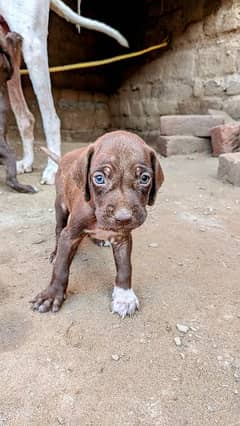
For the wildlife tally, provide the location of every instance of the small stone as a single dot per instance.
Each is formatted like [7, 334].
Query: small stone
[115, 357]
[60, 420]
[237, 376]
[153, 245]
[182, 328]
[182, 355]
[202, 229]
[39, 241]
[236, 392]
[50, 210]
[177, 341]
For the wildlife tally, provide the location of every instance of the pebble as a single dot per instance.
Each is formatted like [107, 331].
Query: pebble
[115, 357]
[237, 376]
[202, 229]
[177, 341]
[50, 210]
[182, 328]
[153, 245]
[39, 241]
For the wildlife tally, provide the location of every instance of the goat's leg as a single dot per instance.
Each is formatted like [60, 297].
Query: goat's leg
[36, 59]
[25, 122]
[24, 117]
[8, 158]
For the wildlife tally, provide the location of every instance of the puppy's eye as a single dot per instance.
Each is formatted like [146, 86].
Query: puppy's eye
[99, 179]
[144, 179]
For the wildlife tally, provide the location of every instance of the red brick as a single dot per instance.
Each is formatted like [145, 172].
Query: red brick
[223, 138]
[195, 125]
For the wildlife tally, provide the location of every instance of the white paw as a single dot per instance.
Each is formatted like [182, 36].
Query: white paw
[124, 302]
[24, 166]
[48, 176]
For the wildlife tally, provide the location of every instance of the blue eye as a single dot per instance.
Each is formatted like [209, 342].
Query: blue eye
[145, 178]
[99, 179]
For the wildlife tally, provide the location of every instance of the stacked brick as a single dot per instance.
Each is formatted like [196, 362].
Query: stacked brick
[186, 134]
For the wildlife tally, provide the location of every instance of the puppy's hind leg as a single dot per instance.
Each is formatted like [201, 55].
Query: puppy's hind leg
[61, 214]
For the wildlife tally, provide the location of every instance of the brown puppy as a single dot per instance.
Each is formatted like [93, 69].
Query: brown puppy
[102, 190]
[10, 46]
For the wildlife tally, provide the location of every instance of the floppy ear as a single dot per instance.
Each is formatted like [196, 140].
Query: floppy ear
[158, 177]
[81, 172]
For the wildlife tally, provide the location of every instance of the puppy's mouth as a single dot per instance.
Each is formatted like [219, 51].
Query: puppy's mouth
[121, 221]
[120, 228]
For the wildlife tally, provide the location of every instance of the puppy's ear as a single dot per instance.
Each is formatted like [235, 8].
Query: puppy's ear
[158, 177]
[81, 172]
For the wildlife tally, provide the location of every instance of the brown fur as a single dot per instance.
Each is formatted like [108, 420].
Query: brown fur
[105, 211]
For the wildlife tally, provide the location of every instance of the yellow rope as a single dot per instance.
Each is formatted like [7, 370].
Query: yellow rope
[105, 61]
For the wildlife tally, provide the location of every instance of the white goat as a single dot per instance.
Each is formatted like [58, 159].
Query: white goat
[30, 18]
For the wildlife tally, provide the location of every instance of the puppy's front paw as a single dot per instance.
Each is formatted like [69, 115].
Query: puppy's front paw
[51, 299]
[124, 302]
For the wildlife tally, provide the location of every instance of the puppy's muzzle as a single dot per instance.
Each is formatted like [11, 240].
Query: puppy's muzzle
[123, 216]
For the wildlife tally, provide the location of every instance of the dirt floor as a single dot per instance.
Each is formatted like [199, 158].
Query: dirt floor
[85, 366]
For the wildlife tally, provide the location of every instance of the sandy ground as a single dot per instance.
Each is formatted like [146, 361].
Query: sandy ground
[85, 366]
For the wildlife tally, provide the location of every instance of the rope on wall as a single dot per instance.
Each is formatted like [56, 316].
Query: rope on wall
[107, 61]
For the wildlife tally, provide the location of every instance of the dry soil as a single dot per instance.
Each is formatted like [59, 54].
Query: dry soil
[85, 366]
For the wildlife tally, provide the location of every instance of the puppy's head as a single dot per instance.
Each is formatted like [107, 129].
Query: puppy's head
[121, 175]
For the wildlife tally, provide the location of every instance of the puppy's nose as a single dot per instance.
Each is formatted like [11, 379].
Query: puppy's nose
[123, 216]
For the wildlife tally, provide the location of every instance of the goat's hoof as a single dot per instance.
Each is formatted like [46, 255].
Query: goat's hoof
[23, 167]
[48, 176]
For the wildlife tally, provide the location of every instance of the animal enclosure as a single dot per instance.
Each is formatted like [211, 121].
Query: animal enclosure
[198, 71]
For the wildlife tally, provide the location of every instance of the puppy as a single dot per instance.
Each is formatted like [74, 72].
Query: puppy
[102, 191]
[9, 46]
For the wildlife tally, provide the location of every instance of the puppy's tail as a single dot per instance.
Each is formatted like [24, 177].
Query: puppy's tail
[51, 154]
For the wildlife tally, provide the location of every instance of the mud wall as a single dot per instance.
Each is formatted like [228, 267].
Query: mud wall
[199, 70]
